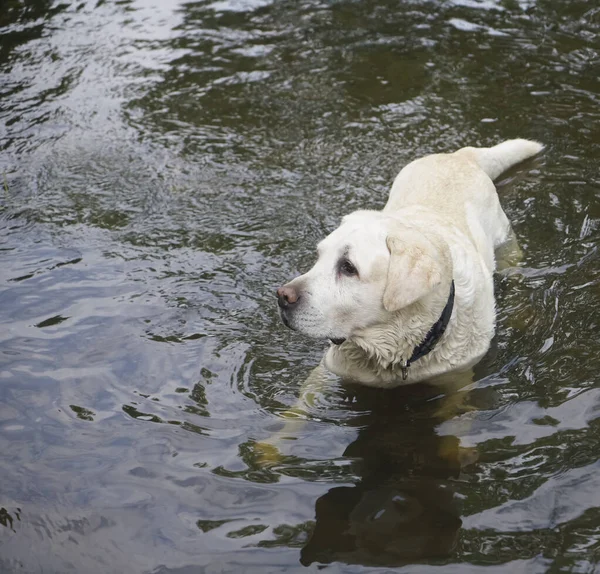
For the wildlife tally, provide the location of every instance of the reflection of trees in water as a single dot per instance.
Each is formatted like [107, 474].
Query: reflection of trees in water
[284, 70]
[30, 16]
[7, 520]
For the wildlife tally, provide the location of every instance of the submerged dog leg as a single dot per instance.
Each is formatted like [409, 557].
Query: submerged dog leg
[268, 453]
[509, 254]
[454, 415]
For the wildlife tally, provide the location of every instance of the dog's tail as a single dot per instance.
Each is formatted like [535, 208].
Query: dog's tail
[496, 160]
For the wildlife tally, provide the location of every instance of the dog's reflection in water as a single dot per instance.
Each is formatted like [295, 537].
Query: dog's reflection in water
[404, 508]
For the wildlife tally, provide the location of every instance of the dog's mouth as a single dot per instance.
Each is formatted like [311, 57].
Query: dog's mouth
[286, 320]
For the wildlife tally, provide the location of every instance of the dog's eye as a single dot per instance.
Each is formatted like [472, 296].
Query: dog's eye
[346, 268]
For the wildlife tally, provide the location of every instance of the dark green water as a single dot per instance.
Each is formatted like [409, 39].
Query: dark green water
[165, 165]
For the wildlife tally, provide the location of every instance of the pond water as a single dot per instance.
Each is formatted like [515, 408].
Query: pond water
[165, 166]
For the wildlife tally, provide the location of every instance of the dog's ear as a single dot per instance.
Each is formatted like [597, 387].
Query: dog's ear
[415, 269]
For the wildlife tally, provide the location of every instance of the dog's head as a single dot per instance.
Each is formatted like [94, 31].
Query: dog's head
[369, 268]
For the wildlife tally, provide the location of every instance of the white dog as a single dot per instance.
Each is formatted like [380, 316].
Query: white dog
[406, 293]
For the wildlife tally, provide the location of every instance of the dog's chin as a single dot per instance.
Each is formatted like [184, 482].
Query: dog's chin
[286, 320]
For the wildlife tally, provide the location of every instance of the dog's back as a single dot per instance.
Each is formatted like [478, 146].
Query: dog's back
[459, 187]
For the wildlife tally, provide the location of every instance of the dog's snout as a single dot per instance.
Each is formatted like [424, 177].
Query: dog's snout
[287, 297]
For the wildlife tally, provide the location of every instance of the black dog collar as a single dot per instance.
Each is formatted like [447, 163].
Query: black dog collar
[433, 335]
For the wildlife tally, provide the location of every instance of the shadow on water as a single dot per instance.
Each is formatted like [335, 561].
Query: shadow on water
[403, 507]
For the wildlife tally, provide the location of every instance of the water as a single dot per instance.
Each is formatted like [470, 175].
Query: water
[166, 165]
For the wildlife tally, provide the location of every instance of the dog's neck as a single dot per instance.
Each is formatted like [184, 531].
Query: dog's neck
[410, 336]
[435, 333]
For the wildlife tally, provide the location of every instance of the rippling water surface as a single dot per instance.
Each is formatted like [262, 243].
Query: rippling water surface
[164, 166]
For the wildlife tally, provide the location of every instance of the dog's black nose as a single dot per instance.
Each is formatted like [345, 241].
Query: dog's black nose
[287, 297]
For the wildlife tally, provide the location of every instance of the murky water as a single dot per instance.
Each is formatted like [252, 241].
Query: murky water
[165, 165]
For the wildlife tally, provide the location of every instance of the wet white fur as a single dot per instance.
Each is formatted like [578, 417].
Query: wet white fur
[442, 221]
